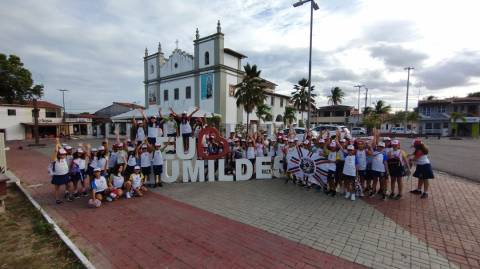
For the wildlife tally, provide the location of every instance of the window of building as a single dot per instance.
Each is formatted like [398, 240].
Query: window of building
[175, 94]
[50, 113]
[175, 65]
[281, 102]
[122, 128]
[428, 110]
[443, 109]
[272, 101]
[151, 69]
[165, 95]
[428, 125]
[339, 113]
[188, 92]
[455, 108]
[436, 125]
[445, 125]
[12, 112]
[207, 58]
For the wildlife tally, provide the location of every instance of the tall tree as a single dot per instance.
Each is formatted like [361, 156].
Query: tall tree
[249, 93]
[367, 110]
[300, 96]
[454, 118]
[336, 96]
[431, 97]
[474, 94]
[289, 115]
[16, 83]
[381, 108]
[264, 112]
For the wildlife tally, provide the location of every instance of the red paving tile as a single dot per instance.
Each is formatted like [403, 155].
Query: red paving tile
[447, 221]
[156, 231]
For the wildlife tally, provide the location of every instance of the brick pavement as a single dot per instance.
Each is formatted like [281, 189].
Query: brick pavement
[158, 232]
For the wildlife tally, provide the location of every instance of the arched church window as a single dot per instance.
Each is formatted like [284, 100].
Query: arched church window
[207, 58]
[151, 69]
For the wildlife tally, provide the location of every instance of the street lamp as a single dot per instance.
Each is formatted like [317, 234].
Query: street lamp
[358, 112]
[313, 6]
[63, 98]
[406, 99]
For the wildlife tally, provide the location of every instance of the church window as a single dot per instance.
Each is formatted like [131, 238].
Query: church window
[175, 65]
[207, 58]
[151, 69]
[281, 102]
[165, 95]
[188, 92]
[176, 94]
[272, 101]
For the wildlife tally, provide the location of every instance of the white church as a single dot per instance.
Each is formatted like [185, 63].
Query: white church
[206, 80]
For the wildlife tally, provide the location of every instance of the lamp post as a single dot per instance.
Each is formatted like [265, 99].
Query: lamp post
[406, 99]
[63, 99]
[313, 6]
[358, 115]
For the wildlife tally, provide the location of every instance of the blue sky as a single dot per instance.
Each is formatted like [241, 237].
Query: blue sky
[95, 48]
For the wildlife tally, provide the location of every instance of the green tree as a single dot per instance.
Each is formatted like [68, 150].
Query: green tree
[249, 93]
[367, 110]
[474, 94]
[454, 118]
[431, 97]
[289, 115]
[16, 83]
[336, 96]
[264, 112]
[300, 96]
[381, 108]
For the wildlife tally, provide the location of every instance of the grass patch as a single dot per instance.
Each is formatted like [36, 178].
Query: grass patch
[28, 241]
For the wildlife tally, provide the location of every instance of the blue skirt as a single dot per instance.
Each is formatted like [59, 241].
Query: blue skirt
[423, 171]
[60, 179]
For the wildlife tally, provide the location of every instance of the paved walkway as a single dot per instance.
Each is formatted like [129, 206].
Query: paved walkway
[266, 224]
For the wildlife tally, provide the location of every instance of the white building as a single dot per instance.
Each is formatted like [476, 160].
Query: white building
[205, 79]
[16, 120]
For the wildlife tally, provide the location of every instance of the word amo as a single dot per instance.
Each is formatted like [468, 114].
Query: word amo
[193, 170]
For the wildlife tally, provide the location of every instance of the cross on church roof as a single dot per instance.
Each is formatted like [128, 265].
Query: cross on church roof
[176, 44]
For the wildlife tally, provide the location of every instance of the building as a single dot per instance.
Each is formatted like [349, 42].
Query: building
[435, 116]
[204, 79]
[334, 114]
[80, 124]
[102, 124]
[16, 120]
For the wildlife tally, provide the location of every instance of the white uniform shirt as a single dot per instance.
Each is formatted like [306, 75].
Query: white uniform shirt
[279, 151]
[157, 157]
[423, 160]
[349, 167]
[101, 162]
[169, 126]
[185, 128]
[250, 152]
[132, 161]
[140, 134]
[259, 149]
[112, 159]
[94, 162]
[99, 184]
[80, 163]
[61, 167]
[332, 156]
[117, 181]
[377, 161]
[361, 159]
[136, 180]
[152, 131]
[145, 159]
[120, 156]
[291, 152]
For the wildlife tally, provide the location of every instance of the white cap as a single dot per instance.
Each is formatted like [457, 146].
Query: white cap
[144, 146]
[387, 139]
[97, 169]
[306, 142]
[120, 145]
[321, 140]
[67, 147]
[80, 150]
[136, 167]
[350, 147]
[342, 140]
[131, 148]
[157, 144]
[101, 148]
[62, 151]
[94, 149]
[184, 112]
[139, 121]
[290, 140]
[395, 142]
[381, 144]
[273, 139]
[333, 144]
[295, 139]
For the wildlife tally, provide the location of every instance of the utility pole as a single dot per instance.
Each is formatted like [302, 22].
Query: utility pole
[63, 98]
[366, 97]
[406, 99]
[358, 115]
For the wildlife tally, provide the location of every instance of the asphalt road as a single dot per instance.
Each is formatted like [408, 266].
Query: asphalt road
[457, 157]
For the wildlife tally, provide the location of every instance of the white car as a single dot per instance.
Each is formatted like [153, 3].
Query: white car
[359, 131]
[401, 130]
[300, 132]
[332, 129]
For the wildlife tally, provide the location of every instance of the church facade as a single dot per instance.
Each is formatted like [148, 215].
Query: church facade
[205, 79]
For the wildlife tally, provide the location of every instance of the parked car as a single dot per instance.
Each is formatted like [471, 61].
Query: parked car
[300, 132]
[401, 130]
[359, 131]
[332, 129]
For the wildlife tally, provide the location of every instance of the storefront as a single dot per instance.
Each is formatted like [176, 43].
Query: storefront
[45, 130]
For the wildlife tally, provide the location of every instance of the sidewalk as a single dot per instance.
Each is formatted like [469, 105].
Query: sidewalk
[159, 232]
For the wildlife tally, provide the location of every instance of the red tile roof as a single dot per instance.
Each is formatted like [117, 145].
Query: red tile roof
[40, 104]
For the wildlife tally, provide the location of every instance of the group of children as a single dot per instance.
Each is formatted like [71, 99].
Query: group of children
[355, 167]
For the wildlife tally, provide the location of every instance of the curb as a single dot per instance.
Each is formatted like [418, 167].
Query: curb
[76, 251]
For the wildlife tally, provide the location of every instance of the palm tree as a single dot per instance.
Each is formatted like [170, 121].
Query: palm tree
[336, 96]
[454, 118]
[431, 97]
[300, 96]
[367, 110]
[264, 112]
[289, 115]
[381, 108]
[249, 93]
[474, 94]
